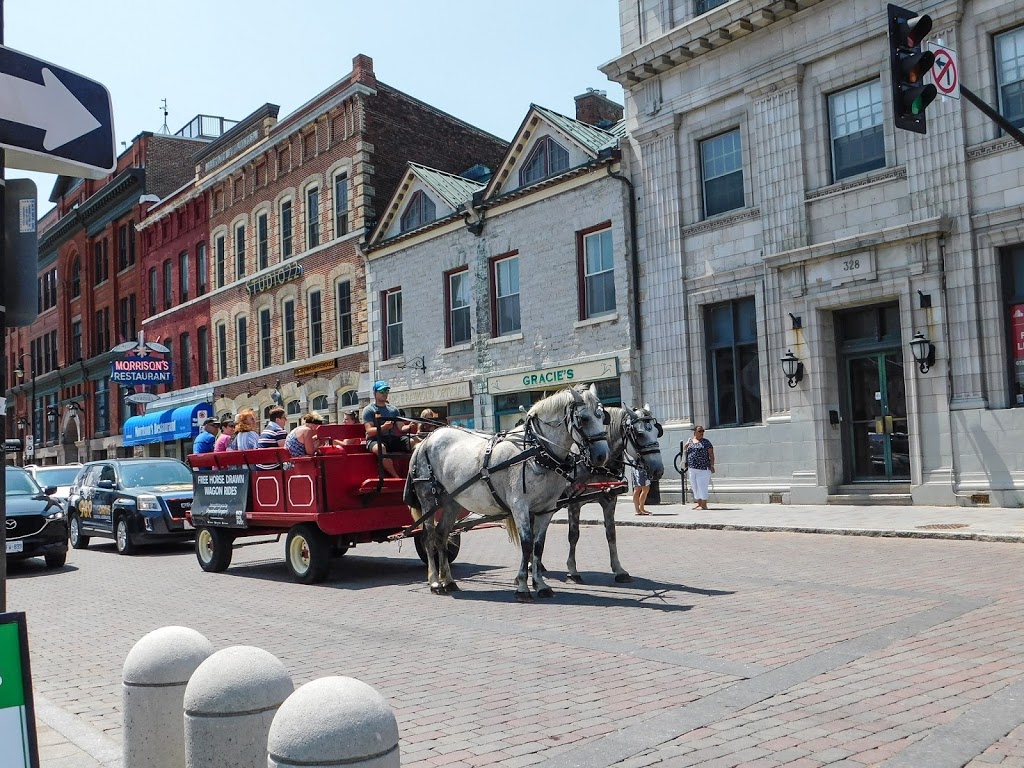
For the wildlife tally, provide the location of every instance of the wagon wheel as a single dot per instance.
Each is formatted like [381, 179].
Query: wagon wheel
[308, 553]
[214, 549]
[454, 545]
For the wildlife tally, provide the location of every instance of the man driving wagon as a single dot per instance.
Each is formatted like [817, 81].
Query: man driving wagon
[385, 427]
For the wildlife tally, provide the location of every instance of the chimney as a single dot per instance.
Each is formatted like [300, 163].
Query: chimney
[595, 108]
[362, 69]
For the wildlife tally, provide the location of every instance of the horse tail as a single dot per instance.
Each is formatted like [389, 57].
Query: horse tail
[511, 529]
[409, 494]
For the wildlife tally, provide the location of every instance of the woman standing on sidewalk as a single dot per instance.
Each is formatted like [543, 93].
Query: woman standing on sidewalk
[700, 460]
[641, 487]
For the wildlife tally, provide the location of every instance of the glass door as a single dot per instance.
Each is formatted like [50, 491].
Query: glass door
[878, 439]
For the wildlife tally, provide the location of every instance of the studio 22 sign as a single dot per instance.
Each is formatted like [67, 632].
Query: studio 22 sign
[136, 369]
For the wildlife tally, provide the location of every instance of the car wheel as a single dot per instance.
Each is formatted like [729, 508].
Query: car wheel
[125, 545]
[56, 560]
[213, 549]
[454, 545]
[307, 552]
[78, 541]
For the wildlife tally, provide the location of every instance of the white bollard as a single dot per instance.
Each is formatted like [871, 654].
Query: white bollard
[334, 722]
[229, 705]
[153, 682]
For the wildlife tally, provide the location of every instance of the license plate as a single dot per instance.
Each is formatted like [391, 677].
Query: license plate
[15, 546]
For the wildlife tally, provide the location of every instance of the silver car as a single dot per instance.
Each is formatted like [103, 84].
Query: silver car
[60, 476]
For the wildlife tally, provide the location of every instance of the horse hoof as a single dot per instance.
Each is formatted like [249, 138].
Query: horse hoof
[623, 578]
[524, 597]
[575, 578]
[453, 587]
[437, 589]
[546, 592]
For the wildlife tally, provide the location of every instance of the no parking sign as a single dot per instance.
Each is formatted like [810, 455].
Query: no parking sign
[945, 71]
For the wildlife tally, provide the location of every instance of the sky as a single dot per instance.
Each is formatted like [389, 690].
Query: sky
[483, 61]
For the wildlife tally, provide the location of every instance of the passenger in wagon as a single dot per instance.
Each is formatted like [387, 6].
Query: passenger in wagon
[247, 436]
[302, 441]
[383, 427]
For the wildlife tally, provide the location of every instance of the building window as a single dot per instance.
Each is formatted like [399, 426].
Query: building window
[722, 172]
[154, 289]
[242, 341]
[734, 376]
[183, 276]
[123, 319]
[203, 341]
[102, 331]
[855, 120]
[319, 404]
[1010, 75]
[703, 6]
[202, 267]
[349, 398]
[100, 266]
[262, 244]
[131, 242]
[596, 266]
[266, 354]
[286, 229]
[419, 211]
[456, 299]
[219, 259]
[288, 310]
[133, 314]
[76, 278]
[76, 340]
[168, 286]
[391, 302]
[312, 217]
[185, 362]
[505, 289]
[341, 204]
[1013, 290]
[240, 251]
[316, 323]
[101, 403]
[222, 350]
[344, 314]
[292, 411]
[547, 158]
[122, 248]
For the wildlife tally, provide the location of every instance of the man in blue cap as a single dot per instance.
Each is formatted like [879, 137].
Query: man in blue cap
[384, 428]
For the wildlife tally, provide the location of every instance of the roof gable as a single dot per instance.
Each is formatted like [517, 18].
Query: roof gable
[447, 190]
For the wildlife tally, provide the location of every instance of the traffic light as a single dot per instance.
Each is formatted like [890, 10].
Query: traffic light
[908, 65]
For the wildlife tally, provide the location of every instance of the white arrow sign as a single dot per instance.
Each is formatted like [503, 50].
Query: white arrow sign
[50, 106]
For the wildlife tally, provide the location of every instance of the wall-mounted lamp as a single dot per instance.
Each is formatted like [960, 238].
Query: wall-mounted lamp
[798, 322]
[22, 424]
[419, 363]
[925, 299]
[924, 352]
[73, 407]
[792, 367]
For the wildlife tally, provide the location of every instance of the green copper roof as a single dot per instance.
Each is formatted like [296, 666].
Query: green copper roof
[454, 190]
[589, 136]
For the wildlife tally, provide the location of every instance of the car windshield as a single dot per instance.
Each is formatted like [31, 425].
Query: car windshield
[146, 473]
[20, 483]
[56, 476]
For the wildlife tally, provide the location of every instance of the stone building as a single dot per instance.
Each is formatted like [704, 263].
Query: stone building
[289, 203]
[90, 290]
[782, 212]
[489, 290]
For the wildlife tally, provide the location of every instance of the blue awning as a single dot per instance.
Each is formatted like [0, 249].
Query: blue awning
[181, 423]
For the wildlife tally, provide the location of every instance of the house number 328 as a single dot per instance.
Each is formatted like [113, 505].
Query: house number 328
[851, 265]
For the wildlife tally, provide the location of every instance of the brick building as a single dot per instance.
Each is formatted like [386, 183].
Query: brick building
[488, 291]
[782, 212]
[289, 203]
[91, 290]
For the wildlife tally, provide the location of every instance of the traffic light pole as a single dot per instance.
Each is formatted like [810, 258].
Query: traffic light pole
[992, 114]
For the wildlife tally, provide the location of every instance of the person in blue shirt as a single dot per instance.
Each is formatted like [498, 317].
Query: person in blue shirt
[384, 427]
[206, 440]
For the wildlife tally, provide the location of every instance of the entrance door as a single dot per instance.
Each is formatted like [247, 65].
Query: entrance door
[878, 440]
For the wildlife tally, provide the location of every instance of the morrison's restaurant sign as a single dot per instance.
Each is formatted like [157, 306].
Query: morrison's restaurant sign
[135, 369]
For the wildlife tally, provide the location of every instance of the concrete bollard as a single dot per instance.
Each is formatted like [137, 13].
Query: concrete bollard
[333, 722]
[229, 705]
[153, 682]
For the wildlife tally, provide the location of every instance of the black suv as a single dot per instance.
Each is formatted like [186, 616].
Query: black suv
[132, 501]
[36, 524]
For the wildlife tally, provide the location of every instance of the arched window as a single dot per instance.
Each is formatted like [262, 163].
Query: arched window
[76, 278]
[420, 211]
[546, 159]
[349, 398]
[294, 411]
[319, 404]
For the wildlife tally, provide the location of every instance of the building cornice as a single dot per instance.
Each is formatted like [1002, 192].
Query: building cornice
[93, 208]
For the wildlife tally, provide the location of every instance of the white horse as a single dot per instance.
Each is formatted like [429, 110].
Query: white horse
[632, 439]
[518, 475]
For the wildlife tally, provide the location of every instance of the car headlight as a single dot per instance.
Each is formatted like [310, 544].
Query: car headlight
[148, 503]
[57, 514]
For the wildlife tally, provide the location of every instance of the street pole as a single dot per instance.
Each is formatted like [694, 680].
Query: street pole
[3, 365]
[990, 113]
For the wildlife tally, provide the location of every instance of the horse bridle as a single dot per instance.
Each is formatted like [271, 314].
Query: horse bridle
[573, 422]
[632, 437]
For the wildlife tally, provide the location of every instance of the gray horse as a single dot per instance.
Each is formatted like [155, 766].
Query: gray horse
[632, 435]
[518, 475]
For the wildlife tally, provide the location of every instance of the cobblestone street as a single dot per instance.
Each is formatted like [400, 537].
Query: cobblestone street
[729, 648]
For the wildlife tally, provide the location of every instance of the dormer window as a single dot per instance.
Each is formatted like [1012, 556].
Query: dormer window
[546, 159]
[420, 211]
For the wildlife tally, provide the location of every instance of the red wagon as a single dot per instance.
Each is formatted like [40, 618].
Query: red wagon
[324, 504]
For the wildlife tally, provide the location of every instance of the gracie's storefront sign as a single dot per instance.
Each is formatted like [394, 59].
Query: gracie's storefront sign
[548, 378]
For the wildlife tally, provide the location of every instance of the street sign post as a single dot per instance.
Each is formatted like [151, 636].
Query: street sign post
[53, 120]
[945, 71]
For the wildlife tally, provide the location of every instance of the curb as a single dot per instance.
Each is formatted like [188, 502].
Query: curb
[83, 736]
[877, 533]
